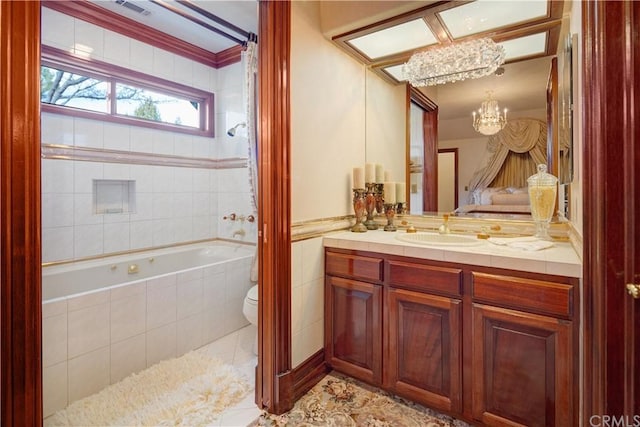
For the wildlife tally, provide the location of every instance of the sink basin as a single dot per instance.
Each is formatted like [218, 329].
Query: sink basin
[438, 239]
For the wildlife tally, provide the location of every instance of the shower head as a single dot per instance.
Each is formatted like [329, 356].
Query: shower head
[232, 131]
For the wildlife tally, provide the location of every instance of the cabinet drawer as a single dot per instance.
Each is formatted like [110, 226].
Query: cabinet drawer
[442, 280]
[355, 266]
[539, 296]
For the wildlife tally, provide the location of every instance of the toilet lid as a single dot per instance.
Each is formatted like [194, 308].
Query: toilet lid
[253, 293]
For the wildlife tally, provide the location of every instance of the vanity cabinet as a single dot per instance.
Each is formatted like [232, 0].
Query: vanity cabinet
[490, 346]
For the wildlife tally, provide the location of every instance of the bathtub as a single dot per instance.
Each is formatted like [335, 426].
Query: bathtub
[105, 319]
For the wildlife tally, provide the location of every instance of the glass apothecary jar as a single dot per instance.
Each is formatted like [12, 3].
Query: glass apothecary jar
[543, 188]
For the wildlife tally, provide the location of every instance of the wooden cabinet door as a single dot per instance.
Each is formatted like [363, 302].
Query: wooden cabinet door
[353, 328]
[522, 368]
[423, 351]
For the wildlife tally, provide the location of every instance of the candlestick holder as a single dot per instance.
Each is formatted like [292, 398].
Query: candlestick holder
[370, 203]
[379, 198]
[400, 209]
[390, 212]
[359, 208]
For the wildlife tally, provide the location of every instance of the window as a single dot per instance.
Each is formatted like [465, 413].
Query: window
[82, 87]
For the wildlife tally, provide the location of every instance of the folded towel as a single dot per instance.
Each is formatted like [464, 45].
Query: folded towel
[529, 243]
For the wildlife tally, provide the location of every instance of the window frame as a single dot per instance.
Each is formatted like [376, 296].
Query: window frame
[112, 74]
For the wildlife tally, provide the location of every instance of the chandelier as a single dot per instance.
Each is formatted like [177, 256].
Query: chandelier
[488, 119]
[467, 60]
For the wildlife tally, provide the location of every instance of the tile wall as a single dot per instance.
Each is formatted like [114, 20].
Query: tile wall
[172, 204]
[96, 339]
[307, 299]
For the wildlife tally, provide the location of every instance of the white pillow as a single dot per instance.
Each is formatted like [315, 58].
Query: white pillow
[485, 196]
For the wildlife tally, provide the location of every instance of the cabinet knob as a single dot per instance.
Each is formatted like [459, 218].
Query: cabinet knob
[634, 290]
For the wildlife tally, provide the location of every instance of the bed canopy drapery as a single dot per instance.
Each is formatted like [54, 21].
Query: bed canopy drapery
[514, 153]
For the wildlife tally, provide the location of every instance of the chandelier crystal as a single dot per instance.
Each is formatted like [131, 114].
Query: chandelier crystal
[488, 120]
[467, 60]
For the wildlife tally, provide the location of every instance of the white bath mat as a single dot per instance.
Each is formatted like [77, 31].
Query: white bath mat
[192, 390]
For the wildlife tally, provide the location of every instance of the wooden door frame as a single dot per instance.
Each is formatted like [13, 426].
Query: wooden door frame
[274, 383]
[610, 161]
[21, 293]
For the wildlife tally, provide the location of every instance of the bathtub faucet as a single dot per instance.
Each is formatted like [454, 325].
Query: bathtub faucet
[239, 232]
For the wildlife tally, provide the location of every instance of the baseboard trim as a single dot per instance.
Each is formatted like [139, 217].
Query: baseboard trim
[293, 384]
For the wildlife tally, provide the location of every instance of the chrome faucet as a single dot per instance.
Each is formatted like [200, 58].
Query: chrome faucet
[444, 228]
[239, 232]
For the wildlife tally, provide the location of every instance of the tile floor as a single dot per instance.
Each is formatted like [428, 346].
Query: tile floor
[237, 349]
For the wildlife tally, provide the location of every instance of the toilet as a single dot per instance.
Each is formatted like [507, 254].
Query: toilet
[250, 311]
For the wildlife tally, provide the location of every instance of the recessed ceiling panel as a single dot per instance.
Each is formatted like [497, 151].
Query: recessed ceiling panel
[396, 72]
[534, 44]
[399, 38]
[484, 15]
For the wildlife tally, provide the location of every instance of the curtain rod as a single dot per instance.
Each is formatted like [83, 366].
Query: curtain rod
[214, 18]
[204, 24]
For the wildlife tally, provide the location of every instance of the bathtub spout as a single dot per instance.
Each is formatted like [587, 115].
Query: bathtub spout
[239, 232]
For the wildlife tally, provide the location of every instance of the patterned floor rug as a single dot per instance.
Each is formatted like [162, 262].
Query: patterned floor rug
[191, 390]
[341, 401]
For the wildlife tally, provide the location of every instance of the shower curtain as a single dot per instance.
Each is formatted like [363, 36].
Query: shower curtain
[250, 69]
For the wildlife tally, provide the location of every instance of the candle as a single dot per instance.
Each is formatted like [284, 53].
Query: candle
[387, 176]
[358, 178]
[401, 192]
[379, 173]
[369, 172]
[390, 192]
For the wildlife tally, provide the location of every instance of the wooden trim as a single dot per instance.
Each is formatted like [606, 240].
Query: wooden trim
[229, 56]
[21, 294]
[610, 144]
[430, 162]
[94, 14]
[274, 209]
[307, 374]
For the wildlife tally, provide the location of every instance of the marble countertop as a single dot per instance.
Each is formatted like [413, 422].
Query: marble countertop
[560, 259]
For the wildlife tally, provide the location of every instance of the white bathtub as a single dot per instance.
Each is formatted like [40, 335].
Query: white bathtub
[101, 323]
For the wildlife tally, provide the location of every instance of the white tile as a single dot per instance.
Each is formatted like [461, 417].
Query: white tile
[89, 39]
[141, 56]
[183, 180]
[296, 310]
[57, 244]
[163, 64]
[88, 133]
[163, 232]
[183, 229]
[88, 329]
[182, 204]
[116, 48]
[88, 300]
[201, 204]
[119, 171]
[83, 211]
[213, 323]
[183, 145]
[128, 317]
[201, 227]
[296, 264]
[84, 174]
[238, 281]
[202, 146]
[161, 282]
[189, 275]
[88, 240]
[312, 302]
[54, 339]
[144, 207]
[54, 385]
[57, 210]
[57, 176]
[141, 140]
[57, 29]
[116, 237]
[162, 205]
[467, 258]
[201, 180]
[519, 264]
[163, 179]
[56, 129]
[189, 298]
[234, 318]
[312, 341]
[161, 343]
[88, 373]
[564, 269]
[161, 305]
[239, 417]
[189, 334]
[183, 70]
[202, 76]
[141, 234]
[312, 260]
[163, 142]
[54, 308]
[127, 357]
[128, 291]
[426, 253]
